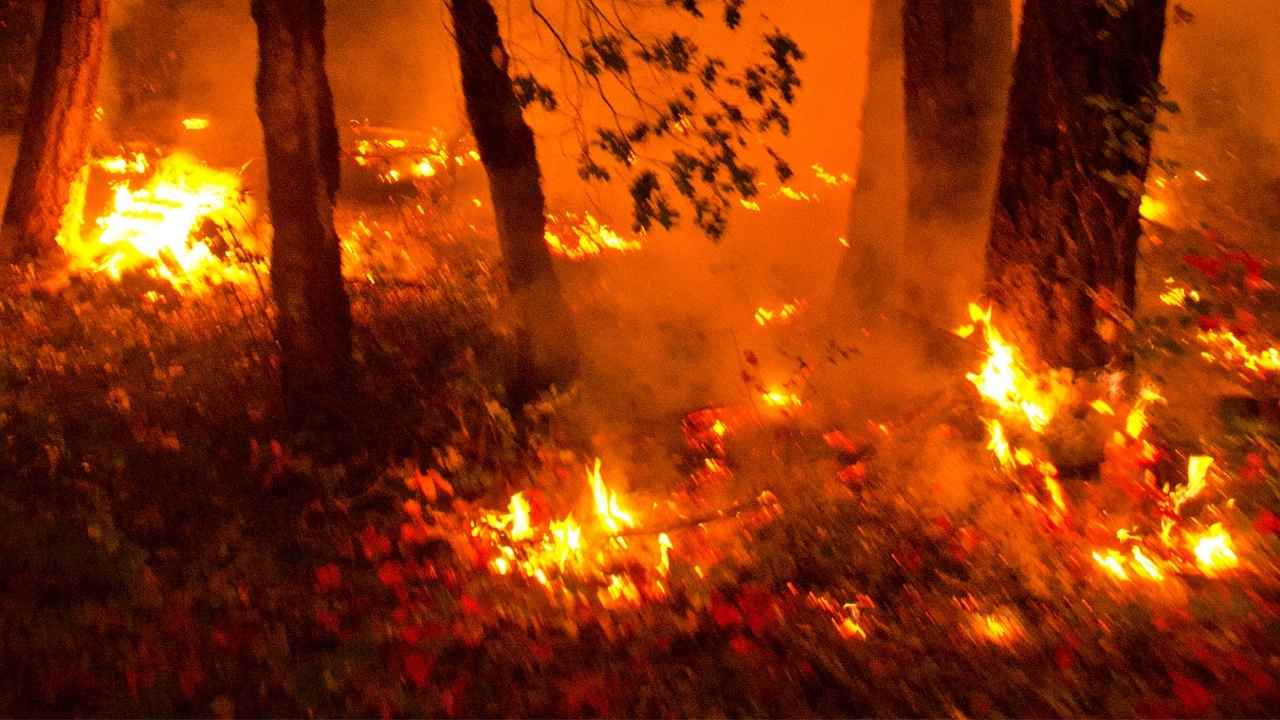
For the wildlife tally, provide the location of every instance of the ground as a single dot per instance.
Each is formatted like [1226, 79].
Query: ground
[169, 550]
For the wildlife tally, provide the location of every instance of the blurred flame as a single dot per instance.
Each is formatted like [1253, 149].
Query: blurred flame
[156, 225]
[590, 237]
[1213, 550]
[1005, 381]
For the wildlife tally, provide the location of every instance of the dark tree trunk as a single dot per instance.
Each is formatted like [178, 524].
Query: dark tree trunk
[1063, 248]
[957, 60]
[295, 106]
[867, 278]
[20, 20]
[56, 134]
[546, 345]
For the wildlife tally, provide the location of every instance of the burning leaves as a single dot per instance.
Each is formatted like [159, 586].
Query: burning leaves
[546, 551]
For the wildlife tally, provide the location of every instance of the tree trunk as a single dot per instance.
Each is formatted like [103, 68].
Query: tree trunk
[867, 278]
[1063, 248]
[21, 22]
[295, 106]
[957, 60]
[546, 345]
[56, 134]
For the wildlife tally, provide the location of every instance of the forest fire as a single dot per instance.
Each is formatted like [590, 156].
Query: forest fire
[596, 550]
[172, 219]
[473, 359]
[588, 237]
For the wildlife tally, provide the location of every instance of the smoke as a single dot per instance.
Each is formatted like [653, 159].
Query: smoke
[669, 328]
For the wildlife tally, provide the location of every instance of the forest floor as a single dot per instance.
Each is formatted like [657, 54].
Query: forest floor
[169, 550]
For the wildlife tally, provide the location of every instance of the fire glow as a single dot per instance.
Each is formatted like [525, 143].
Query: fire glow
[158, 223]
[563, 547]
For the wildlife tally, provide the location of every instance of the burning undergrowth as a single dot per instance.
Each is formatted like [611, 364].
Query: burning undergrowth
[756, 552]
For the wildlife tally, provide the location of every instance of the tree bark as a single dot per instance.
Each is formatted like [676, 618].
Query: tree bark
[21, 22]
[56, 133]
[957, 60]
[868, 274]
[1061, 259]
[546, 344]
[295, 106]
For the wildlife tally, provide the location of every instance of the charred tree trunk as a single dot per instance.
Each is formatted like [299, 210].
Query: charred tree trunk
[867, 278]
[56, 133]
[957, 60]
[295, 106]
[546, 345]
[1063, 248]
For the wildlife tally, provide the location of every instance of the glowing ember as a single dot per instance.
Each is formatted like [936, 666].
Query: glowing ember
[195, 124]
[998, 628]
[157, 225]
[590, 237]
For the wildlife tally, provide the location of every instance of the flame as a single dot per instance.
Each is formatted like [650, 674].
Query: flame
[1225, 345]
[779, 398]
[1113, 562]
[1153, 209]
[764, 315]
[1005, 381]
[590, 237]
[608, 507]
[156, 225]
[1136, 421]
[545, 553]
[1145, 565]
[1213, 550]
[1197, 470]
[195, 124]
[999, 444]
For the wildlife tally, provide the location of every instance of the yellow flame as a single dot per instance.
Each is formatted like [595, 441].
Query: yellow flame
[1005, 381]
[765, 315]
[155, 224]
[1234, 351]
[780, 398]
[608, 508]
[1113, 562]
[196, 123]
[590, 237]
[1213, 550]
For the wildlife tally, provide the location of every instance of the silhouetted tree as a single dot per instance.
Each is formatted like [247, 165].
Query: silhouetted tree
[20, 20]
[546, 344]
[56, 133]
[868, 275]
[295, 106]
[957, 60]
[1063, 249]
[938, 74]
